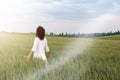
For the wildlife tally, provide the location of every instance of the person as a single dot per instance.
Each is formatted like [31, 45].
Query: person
[39, 46]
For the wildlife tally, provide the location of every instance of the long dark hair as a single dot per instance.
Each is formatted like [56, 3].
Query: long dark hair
[40, 32]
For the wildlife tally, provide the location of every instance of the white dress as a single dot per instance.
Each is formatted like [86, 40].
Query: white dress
[39, 47]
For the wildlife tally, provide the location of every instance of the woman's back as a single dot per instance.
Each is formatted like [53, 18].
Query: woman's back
[39, 47]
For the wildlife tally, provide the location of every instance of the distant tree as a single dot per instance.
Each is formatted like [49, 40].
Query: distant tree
[51, 34]
[78, 34]
[118, 32]
[62, 34]
[66, 34]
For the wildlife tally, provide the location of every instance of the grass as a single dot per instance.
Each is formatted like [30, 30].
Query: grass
[99, 62]
[112, 37]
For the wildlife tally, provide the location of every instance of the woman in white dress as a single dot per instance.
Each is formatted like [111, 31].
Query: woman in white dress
[40, 45]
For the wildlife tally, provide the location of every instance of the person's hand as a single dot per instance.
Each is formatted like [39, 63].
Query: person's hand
[29, 55]
[27, 58]
[49, 55]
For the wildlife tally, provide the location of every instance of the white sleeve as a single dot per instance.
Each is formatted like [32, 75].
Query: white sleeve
[35, 44]
[46, 46]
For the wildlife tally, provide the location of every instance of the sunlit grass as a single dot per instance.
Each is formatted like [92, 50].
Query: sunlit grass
[100, 61]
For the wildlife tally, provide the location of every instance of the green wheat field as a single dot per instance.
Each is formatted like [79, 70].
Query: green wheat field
[101, 61]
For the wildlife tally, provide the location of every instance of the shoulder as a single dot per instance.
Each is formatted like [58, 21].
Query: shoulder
[45, 39]
[36, 39]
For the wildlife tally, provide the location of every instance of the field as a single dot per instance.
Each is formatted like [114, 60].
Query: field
[98, 61]
[113, 37]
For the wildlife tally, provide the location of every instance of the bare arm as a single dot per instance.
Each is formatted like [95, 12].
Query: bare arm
[29, 55]
[33, 49]
[49, 54]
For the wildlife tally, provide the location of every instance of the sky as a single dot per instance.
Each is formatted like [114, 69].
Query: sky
[72, 16]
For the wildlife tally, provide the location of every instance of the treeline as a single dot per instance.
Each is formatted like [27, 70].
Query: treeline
[84, 34]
